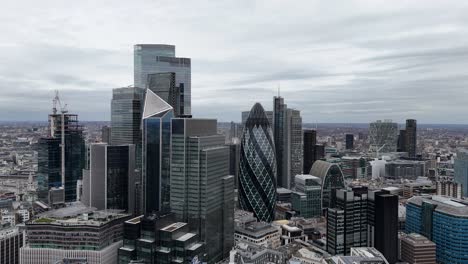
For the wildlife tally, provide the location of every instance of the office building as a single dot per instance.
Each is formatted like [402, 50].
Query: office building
[382, 219]
[310, 141]
[444, 221]
[73, 233]
[126, 109]
[287, 132]
[411, 138]
[109, 177]
[332, 180]
[449, 188]
[201, 193]
[157, 68]
[61, 156]
[347, 223]
[257, 174]
[106, 134]
[258, 233]
[353, 167]
[156, 163]
[461, 169]
[349, 138]
[11, 240]
[402, 141]
[234, 161]
[307, 199]
[383, 136]
[291, 233]
[405, 169]
[416, 249]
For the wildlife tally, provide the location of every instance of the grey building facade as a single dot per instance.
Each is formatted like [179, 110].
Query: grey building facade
[159, 58]
[109, 178]
[383, 136]
[126, 109]
[461, 169]
[201, 190]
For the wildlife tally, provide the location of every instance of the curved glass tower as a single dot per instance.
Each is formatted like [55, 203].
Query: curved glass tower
[257, 173]
[332, 180]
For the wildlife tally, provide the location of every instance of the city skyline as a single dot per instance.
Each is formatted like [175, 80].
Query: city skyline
[373, 61]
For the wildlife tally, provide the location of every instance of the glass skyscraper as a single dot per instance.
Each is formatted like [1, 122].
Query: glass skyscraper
[287, 131]
[257, 175]
[151, 59]
[156, 121]
[307, 200]
[126, 109]
[201, 192]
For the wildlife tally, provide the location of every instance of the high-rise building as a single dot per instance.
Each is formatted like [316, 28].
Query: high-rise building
[310, 141]
[349, 138]
[287, 131]
[174, 84]
[61, 156]
[200, 190]
[257, 174]
[444, 221]
[402, 141]
[109, 177]
[411, 138]
[416, 249]
[307, 200]
[11, 240]
[347, 223]
[461, 169]
[126, 109]
[73, 234]
[382, 218]
[106, 134]
[234, 161]
[383, 136]
[156, 164]
[332, 180]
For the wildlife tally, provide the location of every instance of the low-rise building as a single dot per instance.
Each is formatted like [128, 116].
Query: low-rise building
[258, 233]
[416, 248]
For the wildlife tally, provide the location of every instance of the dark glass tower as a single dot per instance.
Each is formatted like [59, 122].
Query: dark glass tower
[164, 85]
[126, 109]
[257, 175]
[411, 137]
[310, 140]
[402, 141]
[349, 141]
[156, 121]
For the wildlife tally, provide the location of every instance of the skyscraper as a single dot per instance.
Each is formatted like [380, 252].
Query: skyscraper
[106, 134]
[61, 155]
[126, 109]
[402, 141]
[158, 58]
[347, 223]
[411, 137]
[349, 141]
[200, 188]
[257, 175]
[461, 169]
[382, 220]
[287, 131]
[332, 180]
[164, 85]
[156, 120]
[109, 178]
[383, 136]
[310, 141]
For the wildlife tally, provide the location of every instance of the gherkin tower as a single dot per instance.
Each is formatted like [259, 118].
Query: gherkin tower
[257, 172]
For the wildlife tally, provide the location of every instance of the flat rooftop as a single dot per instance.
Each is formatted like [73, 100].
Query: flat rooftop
[444, 204]
[173, 227]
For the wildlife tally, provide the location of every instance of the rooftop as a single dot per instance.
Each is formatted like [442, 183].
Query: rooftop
[443, 204]
[173, 227]
[256, 229]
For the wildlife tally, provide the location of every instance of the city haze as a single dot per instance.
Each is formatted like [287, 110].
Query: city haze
[336, 61]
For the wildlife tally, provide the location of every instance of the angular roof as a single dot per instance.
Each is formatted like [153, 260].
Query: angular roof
[154, 105]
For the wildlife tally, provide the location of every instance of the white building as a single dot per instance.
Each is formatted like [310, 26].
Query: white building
[259, 234]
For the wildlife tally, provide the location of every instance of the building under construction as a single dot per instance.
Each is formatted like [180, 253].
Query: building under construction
[60, 157]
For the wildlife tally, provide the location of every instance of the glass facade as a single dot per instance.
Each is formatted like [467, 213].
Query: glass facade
[383, 136]
[257, 175]
[461, 169]
[332, 180]
[157, 117]
[126, 109]
[118, 171]
[48, 166]
[155, 58]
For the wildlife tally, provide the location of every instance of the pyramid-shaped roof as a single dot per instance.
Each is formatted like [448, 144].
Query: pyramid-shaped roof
[154, 105]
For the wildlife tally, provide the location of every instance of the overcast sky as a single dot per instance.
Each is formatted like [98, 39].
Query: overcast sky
[336, 61]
